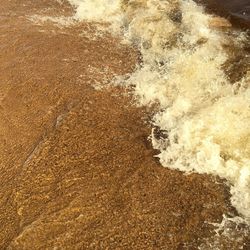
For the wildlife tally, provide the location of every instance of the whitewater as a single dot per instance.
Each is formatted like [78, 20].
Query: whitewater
[203, 117]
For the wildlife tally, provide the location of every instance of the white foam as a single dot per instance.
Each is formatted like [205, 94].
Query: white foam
[60, 21]
[97, 10]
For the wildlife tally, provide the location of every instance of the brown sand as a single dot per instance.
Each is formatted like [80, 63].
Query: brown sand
[76, 169]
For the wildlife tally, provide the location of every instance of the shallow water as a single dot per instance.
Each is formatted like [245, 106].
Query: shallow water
[203, 116]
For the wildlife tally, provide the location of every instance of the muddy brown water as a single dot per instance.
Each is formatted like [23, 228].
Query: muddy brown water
[76, 168]
[238, 11]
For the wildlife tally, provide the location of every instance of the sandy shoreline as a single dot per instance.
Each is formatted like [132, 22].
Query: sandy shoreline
[77, 171]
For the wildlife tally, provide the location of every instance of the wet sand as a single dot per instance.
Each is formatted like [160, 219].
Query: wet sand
[76, 168]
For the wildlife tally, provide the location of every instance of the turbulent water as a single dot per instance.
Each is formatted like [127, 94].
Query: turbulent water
[204, 119]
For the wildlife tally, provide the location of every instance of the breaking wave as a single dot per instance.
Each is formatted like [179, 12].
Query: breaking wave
[203, 116]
